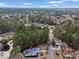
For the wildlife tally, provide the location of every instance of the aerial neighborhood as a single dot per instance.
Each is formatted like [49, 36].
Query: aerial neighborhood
[39, 33]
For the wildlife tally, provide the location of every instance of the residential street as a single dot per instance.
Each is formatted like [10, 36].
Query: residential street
[51, 53]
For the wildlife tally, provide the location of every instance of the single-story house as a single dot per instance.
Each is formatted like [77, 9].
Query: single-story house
[1, 38]
[31, 52]
[1, 46]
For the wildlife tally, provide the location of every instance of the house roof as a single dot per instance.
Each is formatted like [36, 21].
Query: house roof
[1, 38]
[1, 46]
[31, 52]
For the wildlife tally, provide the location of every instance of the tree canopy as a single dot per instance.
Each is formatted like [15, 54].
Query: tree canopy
[69, 33]
[27, 37]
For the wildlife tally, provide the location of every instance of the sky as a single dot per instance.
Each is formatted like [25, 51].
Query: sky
[39, 3]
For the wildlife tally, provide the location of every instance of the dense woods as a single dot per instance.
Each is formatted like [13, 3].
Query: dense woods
[28, 37]
[69, 33]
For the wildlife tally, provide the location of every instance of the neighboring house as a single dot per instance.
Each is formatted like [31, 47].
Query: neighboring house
[1, 46]
[69, 56]
[26, 25]
[1, 38]
[8, 35]
[6, 54]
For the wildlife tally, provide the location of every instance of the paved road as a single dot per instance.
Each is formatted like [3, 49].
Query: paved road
[50, 52]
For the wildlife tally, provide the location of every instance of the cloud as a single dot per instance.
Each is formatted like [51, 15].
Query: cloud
[55, 2]
[75, 0]
[71, 0]
[55, 5]
[2, 4]
[44, 6]
[27, 3]
[61, 1]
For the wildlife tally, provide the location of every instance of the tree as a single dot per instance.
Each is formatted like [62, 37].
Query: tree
[30, 37]
[69, 33]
